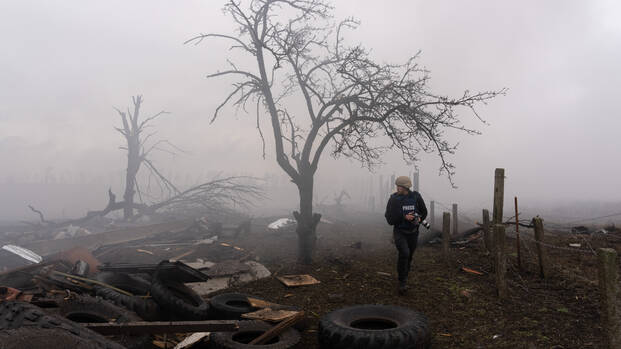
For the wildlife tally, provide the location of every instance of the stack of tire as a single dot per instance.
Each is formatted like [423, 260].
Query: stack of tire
[231, 306]
[170, 299]
[173, 300]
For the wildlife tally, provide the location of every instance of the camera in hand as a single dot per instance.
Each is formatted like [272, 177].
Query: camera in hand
[423, 222]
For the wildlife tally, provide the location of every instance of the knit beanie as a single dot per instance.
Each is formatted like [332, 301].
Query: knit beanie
[403, 181]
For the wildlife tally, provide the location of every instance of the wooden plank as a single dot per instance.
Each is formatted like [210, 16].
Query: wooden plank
[259, 303]
[278, 329]
[267, 314]
[143, 327]
[297, 280]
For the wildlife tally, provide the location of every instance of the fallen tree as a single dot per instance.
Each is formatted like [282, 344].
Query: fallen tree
[218, 195]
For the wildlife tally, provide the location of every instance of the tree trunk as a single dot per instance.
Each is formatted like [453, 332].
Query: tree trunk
[307, 221]
[133, 164]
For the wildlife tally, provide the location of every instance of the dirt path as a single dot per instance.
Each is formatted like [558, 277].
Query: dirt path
[463, 309]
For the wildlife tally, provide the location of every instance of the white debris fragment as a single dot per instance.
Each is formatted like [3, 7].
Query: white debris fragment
[191, 340]
[257, 271]
[281, 223]
[575, 245]
[209, 241]
[72, 231]
[24, 253]
[200, 264]
[61, 235]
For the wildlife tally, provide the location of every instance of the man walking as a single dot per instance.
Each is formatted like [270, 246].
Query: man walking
[404, 211]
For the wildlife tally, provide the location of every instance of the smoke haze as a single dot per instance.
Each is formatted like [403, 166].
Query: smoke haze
[66, 65]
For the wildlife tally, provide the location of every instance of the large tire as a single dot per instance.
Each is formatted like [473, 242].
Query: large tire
[131, 283]
[83, 309]
[14, 315]
[374, 327]
[147, 309]
[179, 300]
[48, 338]
[249, 330]
[230, 306]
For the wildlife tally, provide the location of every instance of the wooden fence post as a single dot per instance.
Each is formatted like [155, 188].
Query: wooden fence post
[517, 235]
[446, 235]
[608, 279]
[487, 236]
[455, 219]
[541, 250]
[499, 195]
[501, 260]
[432, 214]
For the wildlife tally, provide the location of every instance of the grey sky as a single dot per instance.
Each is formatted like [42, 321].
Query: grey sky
[65, 64]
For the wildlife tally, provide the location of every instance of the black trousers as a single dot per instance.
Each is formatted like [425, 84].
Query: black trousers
[406, 245]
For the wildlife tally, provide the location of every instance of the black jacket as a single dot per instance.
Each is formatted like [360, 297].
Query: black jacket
[400, 205]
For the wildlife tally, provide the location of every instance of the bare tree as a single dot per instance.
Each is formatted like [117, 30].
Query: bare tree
[215, 196]
[138, 151]
[350, 99]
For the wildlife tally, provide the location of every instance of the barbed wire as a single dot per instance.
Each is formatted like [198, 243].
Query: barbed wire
[563, 248]
[566, 227]
[594, 218]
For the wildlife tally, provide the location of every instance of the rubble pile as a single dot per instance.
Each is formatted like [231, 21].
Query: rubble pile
[137, 289]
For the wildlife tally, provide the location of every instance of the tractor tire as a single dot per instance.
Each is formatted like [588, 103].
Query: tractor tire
[249, 330]
[48, 338]
[374, 327]
[84, 309]
[230, 306]
[24, 316]
[179, 300]
[133, 284]
[147, 309]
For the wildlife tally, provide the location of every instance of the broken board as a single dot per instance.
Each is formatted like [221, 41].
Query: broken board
[259, 303]
[297, 280]
[270, 315]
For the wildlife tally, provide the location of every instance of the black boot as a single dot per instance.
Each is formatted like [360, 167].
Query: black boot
[403, 288]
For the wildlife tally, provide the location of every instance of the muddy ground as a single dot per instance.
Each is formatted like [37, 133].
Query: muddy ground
[463, 308]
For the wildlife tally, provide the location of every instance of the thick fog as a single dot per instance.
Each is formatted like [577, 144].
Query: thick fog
[67, 64]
